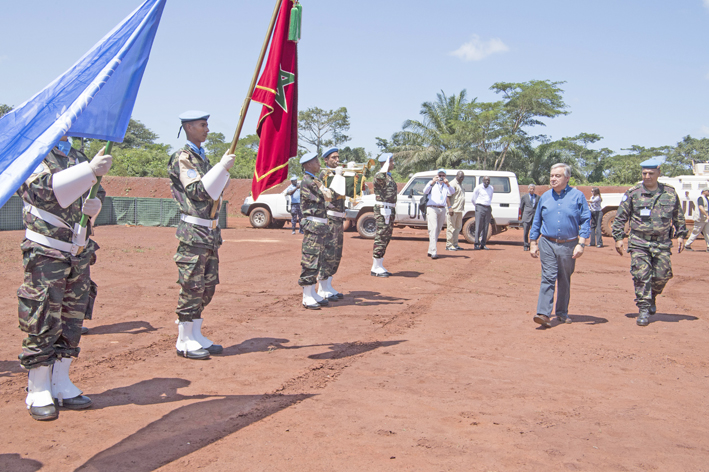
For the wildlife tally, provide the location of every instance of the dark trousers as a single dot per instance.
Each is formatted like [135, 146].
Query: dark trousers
[526, 227]
[296, 215]
[596, 230]
[557, 267]
[483, 214]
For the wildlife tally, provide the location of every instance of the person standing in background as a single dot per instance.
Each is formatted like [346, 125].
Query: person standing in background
[482, 198]
[528, 206]
[701, 224]
[296, 214]
[456, 206]
[596, 217]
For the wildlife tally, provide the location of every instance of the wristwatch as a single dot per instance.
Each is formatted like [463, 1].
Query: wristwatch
[581, 244]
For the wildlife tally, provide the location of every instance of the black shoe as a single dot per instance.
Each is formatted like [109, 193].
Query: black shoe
[476, 247]
[564, 319]
[44, 413]
[199, 354]
[458, 248]
[688, 248]
[311, 307]
[214, 349]
[84, 330]
[653, 307]
[643, 317]
[378, 274]
[485, 248]
[429, 254]
[340, 296]
[323, 302]
[433, 257]
[79, 402]
[332, 298]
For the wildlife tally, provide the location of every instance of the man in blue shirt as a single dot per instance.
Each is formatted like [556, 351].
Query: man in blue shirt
[562, 221]
[295, 214]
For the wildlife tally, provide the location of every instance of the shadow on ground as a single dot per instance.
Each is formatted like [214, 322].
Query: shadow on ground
[16, 463]
[665, 317]
[130, 327]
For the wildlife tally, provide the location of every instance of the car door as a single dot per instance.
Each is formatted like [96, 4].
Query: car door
[407, 203]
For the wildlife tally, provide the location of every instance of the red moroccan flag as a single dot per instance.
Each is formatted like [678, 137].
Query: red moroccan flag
[277, 91]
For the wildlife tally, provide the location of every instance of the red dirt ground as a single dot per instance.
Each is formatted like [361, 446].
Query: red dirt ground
[438, 368]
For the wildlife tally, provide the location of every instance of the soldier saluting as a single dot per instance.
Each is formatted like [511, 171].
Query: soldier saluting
[385, 191]
[335, 218]
[653, 210]
[197, 188]
[313, 199]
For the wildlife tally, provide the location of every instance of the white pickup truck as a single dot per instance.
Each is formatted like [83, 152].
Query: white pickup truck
[505, 203]
[268, 210]
[688, 187]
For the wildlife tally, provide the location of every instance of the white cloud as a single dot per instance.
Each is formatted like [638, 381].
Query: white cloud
[477, 49]
[704, 129]
[706, 4]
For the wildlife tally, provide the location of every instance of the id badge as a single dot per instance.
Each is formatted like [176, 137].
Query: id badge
[645, 212]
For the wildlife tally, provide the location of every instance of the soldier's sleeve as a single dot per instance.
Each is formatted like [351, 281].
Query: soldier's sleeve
[190, 179]
[622, 216]
[38, 186]
[678, 219]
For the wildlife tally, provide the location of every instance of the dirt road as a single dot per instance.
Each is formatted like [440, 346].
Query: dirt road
[439, 368]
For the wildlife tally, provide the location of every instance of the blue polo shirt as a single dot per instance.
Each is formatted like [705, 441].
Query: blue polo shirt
[562, 216]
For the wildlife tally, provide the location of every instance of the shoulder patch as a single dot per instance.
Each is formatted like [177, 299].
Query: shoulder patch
[191, 173]
[625, 197]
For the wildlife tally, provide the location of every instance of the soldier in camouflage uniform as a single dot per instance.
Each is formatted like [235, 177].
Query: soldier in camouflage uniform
[652, 209]
[313, 200]
[57, 293]
[385, 190]
[335, 218]
[197, 188]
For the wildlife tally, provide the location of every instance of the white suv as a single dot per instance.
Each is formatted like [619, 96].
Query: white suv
[505, 203]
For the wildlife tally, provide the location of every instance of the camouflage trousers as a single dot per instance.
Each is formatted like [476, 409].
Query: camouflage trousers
[295, 216]
[198, 276]
[383, 234]
[55, 298]
[313, 251]
[332, 253]
[651, 269]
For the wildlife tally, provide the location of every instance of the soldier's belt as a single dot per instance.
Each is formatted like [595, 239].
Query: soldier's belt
[385, 205]
[211, 224]
[73, 249]
[646, 237]
[316, 219]
[336, 214]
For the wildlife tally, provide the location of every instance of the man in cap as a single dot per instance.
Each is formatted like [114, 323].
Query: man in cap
[57, 293]
[482, 198]
[335, 218]
[385, 192]
[438, 191]
[197, 188]
[653, 210]
[295, 214]
[314, 197]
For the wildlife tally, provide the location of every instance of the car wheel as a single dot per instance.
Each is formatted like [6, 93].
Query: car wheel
[347, 225]
[367, 225]
[469, 230]
[278, 224]
[260, 217]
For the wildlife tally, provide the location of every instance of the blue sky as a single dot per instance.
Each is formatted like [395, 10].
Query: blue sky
[636, 72]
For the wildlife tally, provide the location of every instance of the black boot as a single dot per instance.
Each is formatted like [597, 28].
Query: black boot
[643, 317]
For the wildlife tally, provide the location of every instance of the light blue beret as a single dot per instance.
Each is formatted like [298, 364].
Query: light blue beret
[308, 157]
[385, 157]
[193, 115]
[652, 163]
[330, 151]
[441, 171]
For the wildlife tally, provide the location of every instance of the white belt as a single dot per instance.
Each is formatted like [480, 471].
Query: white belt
[316, 219]
[211, 224]
[385, 205]
[50, 218]
[336, 214]
[73, 249]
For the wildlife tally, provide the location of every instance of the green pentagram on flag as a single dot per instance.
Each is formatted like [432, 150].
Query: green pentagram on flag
[284, 78]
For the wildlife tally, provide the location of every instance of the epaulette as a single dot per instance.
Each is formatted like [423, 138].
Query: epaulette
[635, 187]
[669, 186]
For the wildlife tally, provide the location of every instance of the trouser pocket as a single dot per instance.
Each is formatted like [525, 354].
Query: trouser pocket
[33, 309]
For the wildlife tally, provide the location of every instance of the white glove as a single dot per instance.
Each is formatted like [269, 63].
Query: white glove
[228, 161]
[101, 164]
[338, 170]
[92, 207]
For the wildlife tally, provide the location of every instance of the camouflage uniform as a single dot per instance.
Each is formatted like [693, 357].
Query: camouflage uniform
[57, 293]
[332, 253]
[385, 190]
[312, 203]
[649, 241]
[197, 256]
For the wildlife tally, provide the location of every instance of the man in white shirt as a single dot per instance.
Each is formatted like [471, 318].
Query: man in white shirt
[482, 198]
[438, 190]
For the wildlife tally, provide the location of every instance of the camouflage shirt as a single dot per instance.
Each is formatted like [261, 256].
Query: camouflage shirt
[186, 169]
[338, 201]
[37, 190]
[385, 188]
[650, 214]
[312, 200]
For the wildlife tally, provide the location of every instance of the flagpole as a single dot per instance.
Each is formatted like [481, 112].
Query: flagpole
[247, 101]
[94, 190]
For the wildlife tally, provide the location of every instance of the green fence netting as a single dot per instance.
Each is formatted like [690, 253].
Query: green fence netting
[116, 211]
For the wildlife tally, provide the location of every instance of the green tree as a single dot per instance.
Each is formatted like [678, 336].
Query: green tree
[4, 109]
[524, 104]
[137, 136]
[348, 154]
[679, 159]
[323, 129]
[245, 152]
